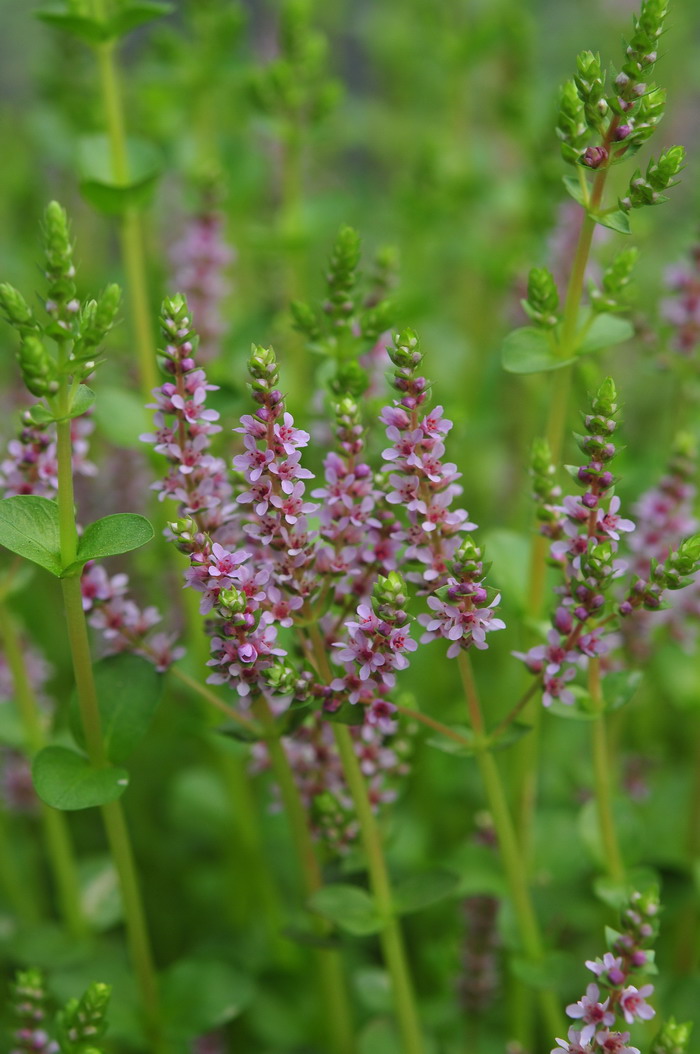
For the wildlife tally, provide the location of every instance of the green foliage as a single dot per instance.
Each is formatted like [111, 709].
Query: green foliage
[349, 907]
[128, 692]
[66, 780]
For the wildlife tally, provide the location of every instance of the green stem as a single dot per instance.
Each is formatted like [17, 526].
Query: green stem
[509, 849]
[56, 833]
[330, 970]
[131, 233]
[390, 935]
[112, 814]
[17, 889]
[603, 783]
[528, 751]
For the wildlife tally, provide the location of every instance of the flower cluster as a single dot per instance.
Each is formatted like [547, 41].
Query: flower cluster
[197, 479]
[262, 572]
[613, 999]
[682, 309]
[420, 482]
[664, 515]
[16, 787]
[587, 531]
[199, 260]
[462, 612]
[29, 1007]
[123, 624]
[30, 466]
[376, 646]
[319, 774]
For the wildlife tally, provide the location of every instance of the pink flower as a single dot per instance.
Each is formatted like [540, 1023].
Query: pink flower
[633, 1005]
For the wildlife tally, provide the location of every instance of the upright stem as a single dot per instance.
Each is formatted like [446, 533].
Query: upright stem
[17, 889]
[131, 232]
[57, 835]
[390, 936]
[528, 751]
[330, 970]
[508, 846]
[603, 783]
[112, 814]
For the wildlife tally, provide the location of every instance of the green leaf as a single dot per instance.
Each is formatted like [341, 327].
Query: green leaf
[373, 986]
[510, 554]
[543, 973]
[451, 746]
[616, 221]
[309, 938]
[97, 180]
[605, 331]
[82, 401]
[66, 780]
[530, 350]
[89, 30]
[346, 714]
[616, 894]
[128, 692]
[619, 688]
[513, 733]
[574, 188]
[29, 527]
[121, 416]
[84, 398]
[130, 16]
[99, 892]
[419, 891]
[349, 907]
[199, 995]
[119, 533]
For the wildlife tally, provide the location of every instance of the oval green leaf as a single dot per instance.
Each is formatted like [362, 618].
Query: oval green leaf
[66, 780]
[420, 891]
[605, 331]
[29, 527]
[98, 184]
[128, 692]
[616, 221]
[130, 16]
[530, 350]
[349, 907]
[118, 533]
[202, 994]
[121, 416]
[89, 30]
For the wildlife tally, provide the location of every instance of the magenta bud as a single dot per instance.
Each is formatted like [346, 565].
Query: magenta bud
[616, 976]
[638, 958]
[624, 104]
[562, 620]
[187, 364]
[622, 131]
[607, 479]
[581, 614]
[621, 81]
[597, 601]
[625, 608]
[595, 156]
[589, 500]
[639, 89]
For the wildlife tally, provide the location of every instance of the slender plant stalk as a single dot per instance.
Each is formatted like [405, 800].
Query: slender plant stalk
[112, 814]
[131, 233]
[59, 847]
[510, 851]
[330, 968]
[13, 881]
[528, 751]
[390, 935]
[603, 783]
